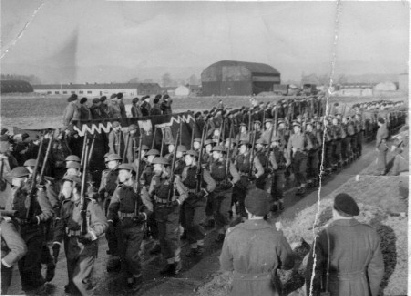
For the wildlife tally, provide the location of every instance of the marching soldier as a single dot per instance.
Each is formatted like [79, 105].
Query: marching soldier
[13, 248]
[105, 192]
[196, 202]
[381, 147]
[221, 196]
[312, 154]
[31, 228]
[167, 213]
[132, 212]
[297, 144]
[80, 249]
[278, 163]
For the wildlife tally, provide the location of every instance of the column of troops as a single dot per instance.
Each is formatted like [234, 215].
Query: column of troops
[52, 198]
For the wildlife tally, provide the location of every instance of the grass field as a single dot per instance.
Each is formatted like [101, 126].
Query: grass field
[39, 112]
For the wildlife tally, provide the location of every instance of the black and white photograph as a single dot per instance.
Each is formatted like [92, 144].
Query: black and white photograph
[204, 148]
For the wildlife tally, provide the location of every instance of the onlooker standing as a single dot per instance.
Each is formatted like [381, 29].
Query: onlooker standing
[135, 109]
[105, 107]
[85, 113]
[121, 104]
[114, 107]
[348, 254]
[70, 110]
[145, 106]
[166, 104]
[255, 249]
[156, 108]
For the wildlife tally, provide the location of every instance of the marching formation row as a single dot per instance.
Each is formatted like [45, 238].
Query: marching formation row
[143, 191]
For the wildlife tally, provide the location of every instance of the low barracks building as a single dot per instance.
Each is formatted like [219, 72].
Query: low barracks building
[129, 90]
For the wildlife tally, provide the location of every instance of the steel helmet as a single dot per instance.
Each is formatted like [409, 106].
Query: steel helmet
[30, 162]
[73, 158]
[20, 172]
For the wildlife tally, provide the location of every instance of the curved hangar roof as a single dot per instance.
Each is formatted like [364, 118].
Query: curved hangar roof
[236, 69]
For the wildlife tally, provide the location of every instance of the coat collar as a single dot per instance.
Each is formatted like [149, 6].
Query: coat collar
[255, 224]
[345, 222]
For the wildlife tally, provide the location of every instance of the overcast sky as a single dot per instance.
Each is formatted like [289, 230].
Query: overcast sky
[186, 37]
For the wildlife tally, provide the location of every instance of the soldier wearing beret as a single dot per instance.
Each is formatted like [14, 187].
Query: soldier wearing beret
[80, 249]
[132, 211]
[348, 254]
[70, 110]
[253, 250]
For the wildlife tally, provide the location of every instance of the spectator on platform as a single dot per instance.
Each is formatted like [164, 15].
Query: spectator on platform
[145, 106]
[166, 104]
[70, 111]
[156, 108]
[136, 109]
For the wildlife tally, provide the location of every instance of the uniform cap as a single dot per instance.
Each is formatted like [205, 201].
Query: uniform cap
[125, 166]
[208, 141]
[73, 158]
[268, 120]
[115, 124]
[261, 141]
[160, 160]
[73, 165]
[280, 120]
[296, 123]
[257, 121]
[192, 153]
[197, 140]
[113, 157]
[145, 147]
[257, 202]
[19, 172]
[346, 204]
[152, 152]
[181, 148]
[30, 162]
[242, 124]
[219, 148]
[72, 178]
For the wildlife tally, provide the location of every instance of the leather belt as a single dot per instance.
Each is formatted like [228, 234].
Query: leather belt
[163, 200]
[71, 232]
[125, 215]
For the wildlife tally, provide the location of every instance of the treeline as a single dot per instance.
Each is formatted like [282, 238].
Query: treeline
[33, 79]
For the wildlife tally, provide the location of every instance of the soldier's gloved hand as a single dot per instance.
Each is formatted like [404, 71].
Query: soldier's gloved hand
[140, 218]
[33, 220]
[202, 193]
[86, 239]
[56, 251]
[175, 203]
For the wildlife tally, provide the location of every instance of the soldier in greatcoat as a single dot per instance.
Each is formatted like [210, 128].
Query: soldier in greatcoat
[253, 250]
[348, 255]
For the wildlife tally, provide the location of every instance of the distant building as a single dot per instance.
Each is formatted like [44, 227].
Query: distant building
[355, 89]
[236, 78]
[385, 86]
[15, 86]
[182, 91]
[403, 82]
[97, 90]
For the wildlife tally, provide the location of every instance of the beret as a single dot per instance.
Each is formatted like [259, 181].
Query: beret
[135, 100]
[119, 95]
[257, 202]
[346, 204]
[72, 98]
[103, 98]
[96, 100]
[83, 100]
[156, 100]
[4, 130]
